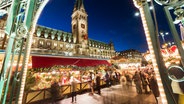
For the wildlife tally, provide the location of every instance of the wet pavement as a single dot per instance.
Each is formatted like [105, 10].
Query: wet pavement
[113, 95]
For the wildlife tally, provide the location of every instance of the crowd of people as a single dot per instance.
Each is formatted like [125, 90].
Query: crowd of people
[144, 81]
[110, 77]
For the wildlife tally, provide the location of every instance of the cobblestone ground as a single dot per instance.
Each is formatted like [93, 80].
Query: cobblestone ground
[113, 95]
[118, 95]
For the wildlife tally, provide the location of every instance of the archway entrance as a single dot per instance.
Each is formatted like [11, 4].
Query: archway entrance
[21, 23]
[151, 31]
[25, 26]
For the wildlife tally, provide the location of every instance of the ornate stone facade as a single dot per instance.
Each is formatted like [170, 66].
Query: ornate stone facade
[129, 59]
[49, 41]
[56, 42]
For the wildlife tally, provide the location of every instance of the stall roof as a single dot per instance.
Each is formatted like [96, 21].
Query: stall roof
[44, 61]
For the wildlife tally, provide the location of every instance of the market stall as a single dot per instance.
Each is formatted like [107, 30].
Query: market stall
[40, 79]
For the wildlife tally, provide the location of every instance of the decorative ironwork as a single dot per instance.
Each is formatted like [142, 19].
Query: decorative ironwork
[167, 2]
[151, 32]
[139, 3]
[38, 4]
[21, 31]
[179, 12]
[22, 17]
[174, 77]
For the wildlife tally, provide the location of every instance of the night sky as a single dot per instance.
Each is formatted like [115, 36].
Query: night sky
[108, 20]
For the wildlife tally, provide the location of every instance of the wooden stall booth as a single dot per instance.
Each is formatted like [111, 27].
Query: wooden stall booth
[47, 70]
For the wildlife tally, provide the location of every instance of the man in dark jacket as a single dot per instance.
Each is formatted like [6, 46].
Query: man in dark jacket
[107, 79]
[98, 83]
[137, 81]
[154, 87]
[55, 92]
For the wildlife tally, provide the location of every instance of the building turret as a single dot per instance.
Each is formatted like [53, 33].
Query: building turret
[79, 23]
[111, 44]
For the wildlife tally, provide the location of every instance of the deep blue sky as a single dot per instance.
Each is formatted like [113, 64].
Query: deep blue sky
[108, 20]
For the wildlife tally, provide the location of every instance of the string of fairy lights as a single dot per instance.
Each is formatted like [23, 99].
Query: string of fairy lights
[150, 46]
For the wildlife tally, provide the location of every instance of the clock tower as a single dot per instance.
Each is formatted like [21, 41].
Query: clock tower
[79, 24]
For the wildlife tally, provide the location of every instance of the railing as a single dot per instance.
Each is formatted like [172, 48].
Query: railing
[43, 95]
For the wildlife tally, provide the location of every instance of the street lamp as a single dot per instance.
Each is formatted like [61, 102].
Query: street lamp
[151, 7]
[163, 34]
[170, 43]
[137, 14]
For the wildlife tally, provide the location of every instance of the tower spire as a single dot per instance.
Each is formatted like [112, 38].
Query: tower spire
[80, 26]
[78, 4]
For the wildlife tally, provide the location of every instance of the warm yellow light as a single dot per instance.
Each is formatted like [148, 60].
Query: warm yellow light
[152, 54]
[29, 49]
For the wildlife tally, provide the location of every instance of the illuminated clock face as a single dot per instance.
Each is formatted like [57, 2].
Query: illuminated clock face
[83, 26]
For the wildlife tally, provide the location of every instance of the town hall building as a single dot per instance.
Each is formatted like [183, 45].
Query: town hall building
[56, 42]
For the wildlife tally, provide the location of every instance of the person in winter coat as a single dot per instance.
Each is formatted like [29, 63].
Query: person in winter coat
[145, 82]
[154, 87]
[123, 82]
[55, 91]
[98, 83]
[73, 82]
[137, 81]
[107, 79]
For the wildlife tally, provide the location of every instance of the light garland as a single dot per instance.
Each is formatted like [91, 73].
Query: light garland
[150, 46]
[152, 53]
[29, 49]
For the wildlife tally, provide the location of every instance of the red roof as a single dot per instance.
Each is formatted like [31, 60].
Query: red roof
[43, 61]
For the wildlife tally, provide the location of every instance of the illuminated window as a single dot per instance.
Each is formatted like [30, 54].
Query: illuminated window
[48, 43]
[74, 26]
[55, 44]
[34, 41]
[41, 42]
